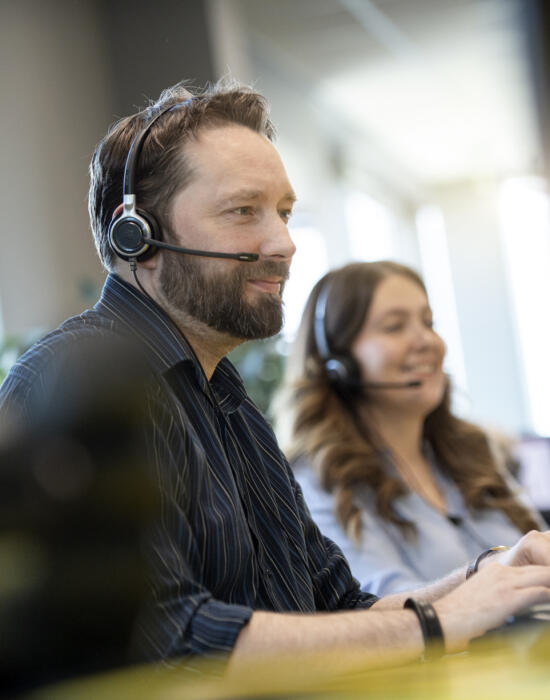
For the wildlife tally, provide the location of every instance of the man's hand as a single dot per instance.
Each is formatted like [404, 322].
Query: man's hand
[488, 598]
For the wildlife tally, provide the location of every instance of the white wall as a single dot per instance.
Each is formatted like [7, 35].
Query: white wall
[496, 393]
[54, 91]
[326, 158]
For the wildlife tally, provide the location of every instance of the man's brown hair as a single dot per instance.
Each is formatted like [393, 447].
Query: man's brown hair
[162, 169]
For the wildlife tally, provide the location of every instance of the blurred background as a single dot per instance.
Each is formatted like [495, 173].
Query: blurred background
[415, 130]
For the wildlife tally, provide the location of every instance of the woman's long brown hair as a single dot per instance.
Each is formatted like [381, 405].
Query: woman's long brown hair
[326, 430]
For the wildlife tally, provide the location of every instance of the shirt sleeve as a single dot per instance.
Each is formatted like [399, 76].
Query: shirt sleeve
[376, 561]
[183, 618]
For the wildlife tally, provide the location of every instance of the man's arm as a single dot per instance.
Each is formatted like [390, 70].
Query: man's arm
[380, 635]
[350, 639]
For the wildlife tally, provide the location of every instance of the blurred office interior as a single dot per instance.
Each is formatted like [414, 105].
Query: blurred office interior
[415, 130]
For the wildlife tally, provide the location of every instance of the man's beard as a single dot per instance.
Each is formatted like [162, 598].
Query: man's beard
[218, 298]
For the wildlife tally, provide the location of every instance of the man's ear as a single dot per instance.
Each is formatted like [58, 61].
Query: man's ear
[118, 211]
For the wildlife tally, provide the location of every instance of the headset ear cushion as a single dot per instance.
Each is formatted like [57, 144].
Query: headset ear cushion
[126, 234]
[154, 233]
[343, 372]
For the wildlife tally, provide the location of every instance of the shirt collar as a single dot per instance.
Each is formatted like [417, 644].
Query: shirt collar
[228, 386]
[166, 345]
[142, 316]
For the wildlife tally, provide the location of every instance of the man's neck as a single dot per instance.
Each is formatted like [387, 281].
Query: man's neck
[209, 345]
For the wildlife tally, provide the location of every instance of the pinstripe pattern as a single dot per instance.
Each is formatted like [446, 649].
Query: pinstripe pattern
[235, 534]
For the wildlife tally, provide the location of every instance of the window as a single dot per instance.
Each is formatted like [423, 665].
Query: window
[525, 225]
[370, 228]
[310, 262]
[436, 271]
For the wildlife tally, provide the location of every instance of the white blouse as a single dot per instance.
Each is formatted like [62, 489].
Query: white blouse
[385, 561]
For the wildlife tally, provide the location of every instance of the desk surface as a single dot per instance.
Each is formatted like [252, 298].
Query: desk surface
[515, 666]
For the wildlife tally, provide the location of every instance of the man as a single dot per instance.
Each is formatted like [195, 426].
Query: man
[239, 567]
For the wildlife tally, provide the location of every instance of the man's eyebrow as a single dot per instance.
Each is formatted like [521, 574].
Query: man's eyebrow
[248, 194]
[241, 194]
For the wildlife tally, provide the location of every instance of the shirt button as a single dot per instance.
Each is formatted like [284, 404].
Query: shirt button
[269, 573]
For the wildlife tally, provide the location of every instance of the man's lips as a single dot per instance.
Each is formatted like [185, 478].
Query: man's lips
[272, 286]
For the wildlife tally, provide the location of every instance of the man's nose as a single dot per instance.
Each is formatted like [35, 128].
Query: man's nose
[277, 242]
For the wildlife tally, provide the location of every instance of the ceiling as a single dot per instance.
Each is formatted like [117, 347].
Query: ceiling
[441, 86]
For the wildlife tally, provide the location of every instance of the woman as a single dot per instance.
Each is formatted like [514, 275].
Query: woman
[408, 490]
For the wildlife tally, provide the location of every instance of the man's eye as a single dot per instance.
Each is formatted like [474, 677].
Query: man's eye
[243, 211]
[286, 214]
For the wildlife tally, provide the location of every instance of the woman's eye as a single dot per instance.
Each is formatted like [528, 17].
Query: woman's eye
[394, 328]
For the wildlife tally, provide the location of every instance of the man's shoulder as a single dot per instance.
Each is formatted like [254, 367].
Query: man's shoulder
[68, 351]
[73, 334]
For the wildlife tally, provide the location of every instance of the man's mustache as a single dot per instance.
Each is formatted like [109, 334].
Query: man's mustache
[267, 268]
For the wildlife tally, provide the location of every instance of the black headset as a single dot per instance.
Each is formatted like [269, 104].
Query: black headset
[131, 233]
[342, 370]
[135, 235]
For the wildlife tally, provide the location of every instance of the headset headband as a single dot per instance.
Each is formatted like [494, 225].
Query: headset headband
[319, 329]
[128, 185]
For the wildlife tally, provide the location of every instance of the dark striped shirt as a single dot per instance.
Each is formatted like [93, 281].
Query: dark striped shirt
[236, 535]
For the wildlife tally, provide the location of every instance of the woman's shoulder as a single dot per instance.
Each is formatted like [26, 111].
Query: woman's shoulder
[314, 492]
[308, 479]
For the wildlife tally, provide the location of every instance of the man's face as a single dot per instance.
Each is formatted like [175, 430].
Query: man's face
[239, 200]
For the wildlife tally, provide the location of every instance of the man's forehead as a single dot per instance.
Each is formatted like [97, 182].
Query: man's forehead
[228, 137]
[238, 162]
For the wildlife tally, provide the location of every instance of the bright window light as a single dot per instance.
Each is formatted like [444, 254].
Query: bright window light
[370, 228]
[310, 262]
[524, 207]
[436, 271]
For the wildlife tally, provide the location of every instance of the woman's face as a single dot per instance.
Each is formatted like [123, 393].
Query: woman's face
[398, 344]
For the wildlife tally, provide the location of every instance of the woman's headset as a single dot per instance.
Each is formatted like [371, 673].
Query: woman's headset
[342, 370]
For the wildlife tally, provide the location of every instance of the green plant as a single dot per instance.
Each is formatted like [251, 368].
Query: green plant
[261, 366]
[12, 346]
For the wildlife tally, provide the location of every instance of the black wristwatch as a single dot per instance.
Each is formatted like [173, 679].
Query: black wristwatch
[434, 642]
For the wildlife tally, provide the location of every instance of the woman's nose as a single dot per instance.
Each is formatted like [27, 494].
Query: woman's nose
[422, 335]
